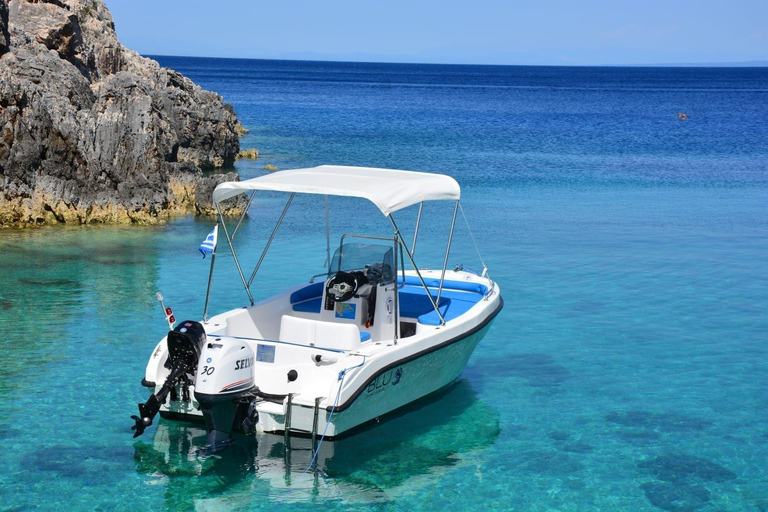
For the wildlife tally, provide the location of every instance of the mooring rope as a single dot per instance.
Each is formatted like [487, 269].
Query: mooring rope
[474, 242]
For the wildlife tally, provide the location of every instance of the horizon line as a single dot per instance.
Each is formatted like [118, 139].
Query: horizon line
[755, 63]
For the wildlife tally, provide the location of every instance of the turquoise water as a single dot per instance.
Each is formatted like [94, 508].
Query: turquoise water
[628, 370]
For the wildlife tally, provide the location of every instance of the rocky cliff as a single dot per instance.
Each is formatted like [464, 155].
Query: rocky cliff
[90, 131]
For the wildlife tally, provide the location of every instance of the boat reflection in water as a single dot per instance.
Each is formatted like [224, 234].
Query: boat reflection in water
[407, 450]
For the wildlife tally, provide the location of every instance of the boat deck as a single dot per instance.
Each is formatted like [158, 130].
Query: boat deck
[456, 299]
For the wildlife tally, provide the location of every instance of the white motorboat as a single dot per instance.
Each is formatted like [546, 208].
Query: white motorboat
[375, 333]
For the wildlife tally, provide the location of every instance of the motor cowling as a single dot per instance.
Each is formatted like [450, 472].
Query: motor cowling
[224, 387]
[185, 343]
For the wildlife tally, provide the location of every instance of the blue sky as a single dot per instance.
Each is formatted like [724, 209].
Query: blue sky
[586, 32]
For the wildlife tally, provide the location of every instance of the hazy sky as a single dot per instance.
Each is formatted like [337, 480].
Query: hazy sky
[578, 32]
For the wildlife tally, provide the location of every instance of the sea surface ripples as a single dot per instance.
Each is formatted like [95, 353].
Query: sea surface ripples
[628, 370]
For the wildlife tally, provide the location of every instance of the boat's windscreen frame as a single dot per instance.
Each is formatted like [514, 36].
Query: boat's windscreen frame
[397, 240]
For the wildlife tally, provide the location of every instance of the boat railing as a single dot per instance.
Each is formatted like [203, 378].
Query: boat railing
[313, 347]
[326, 274]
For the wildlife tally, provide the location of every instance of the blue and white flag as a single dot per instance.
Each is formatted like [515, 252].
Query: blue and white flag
[209, 245]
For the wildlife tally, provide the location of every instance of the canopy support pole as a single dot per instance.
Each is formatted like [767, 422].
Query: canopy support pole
[447, 252]
[234, 254]
[397, 291]
[269, 242]
[327, 234]
[250, 200]
[410, 258]
[208, 290]
[416, 230]
[402, 260]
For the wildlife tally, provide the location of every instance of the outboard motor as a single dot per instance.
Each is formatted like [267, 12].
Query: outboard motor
[225, 390]
[184, 345]
[223, 378]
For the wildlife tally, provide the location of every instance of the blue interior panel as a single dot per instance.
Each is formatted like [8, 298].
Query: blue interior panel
[309, 306]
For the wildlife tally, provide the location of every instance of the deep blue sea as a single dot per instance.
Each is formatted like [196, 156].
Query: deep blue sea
[628, 370]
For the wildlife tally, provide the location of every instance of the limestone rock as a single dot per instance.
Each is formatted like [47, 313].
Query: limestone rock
[250, 154]
[241, 130]
[270, 167]
[92, 132]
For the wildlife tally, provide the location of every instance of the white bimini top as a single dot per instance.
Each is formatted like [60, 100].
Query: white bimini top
[390, 190]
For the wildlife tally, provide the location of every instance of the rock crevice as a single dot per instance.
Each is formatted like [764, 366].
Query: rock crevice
[90, 131]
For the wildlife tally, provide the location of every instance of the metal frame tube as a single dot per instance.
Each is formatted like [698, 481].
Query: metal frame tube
[368, 237]
[447, 252]
[208, 290]
[287, 426]
[327, 234]
[402, 259]
[410, 258]
[234, 254]
[242, 216]
[416, 230]
[397, 291]
[314, 422]
[272, 237]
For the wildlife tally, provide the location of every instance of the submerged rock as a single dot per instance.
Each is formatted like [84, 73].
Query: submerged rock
[659, 421]
[674, 467]
[251, 154]
[560, 435]
[540, 370]
[676, 497]
[270, 167]
[90, 131]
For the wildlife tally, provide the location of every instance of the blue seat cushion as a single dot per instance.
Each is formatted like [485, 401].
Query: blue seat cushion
[464, 286]
[365, 336]
[414, 303]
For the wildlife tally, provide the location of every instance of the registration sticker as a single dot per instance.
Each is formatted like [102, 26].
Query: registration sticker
[265, 353]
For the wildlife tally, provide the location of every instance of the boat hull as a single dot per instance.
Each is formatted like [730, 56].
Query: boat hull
[391, 388]
[401, 384]
[353, 387]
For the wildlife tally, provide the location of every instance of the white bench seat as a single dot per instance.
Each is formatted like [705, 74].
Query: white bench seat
[314, 333]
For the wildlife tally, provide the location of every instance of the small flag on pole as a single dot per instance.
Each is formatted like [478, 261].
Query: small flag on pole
[209, 245]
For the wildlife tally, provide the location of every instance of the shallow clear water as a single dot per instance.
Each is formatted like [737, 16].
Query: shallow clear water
[628, 370]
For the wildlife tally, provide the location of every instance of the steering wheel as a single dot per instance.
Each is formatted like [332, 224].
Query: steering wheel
[342, 286]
